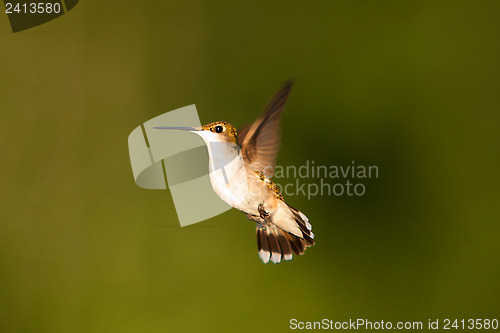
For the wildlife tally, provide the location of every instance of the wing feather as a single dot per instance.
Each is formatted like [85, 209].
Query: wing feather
[260, 142]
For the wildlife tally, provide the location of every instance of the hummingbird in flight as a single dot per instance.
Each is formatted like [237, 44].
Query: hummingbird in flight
[241, 164]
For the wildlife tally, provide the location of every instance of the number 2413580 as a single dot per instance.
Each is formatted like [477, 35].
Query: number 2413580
[32, 8]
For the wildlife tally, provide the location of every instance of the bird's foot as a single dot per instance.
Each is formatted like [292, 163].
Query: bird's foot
[263, 213]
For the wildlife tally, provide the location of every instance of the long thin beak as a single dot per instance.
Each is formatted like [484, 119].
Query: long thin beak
[190, 129]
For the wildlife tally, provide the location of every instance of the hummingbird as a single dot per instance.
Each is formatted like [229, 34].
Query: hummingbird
[241, 165]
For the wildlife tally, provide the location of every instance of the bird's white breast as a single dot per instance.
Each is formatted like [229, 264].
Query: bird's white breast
[228, 174]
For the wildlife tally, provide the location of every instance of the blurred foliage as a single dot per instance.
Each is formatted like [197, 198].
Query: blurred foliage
[409, 86]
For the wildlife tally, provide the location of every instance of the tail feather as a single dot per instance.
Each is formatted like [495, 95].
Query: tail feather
[297, 245]
[286, 248]
[276, 244]
[263, 244]
[304, 225]
[273, 243]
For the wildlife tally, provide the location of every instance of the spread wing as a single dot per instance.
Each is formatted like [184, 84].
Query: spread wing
[260, 142]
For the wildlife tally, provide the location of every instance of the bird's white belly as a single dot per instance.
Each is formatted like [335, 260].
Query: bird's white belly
[228, 174]
[230, 182]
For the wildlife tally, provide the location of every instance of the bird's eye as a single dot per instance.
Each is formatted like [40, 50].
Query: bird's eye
[218, 129]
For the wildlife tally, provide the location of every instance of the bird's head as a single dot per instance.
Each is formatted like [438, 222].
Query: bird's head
[221, 131]
[218, 131]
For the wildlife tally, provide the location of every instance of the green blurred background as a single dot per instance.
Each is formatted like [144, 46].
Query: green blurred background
[409, 86]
